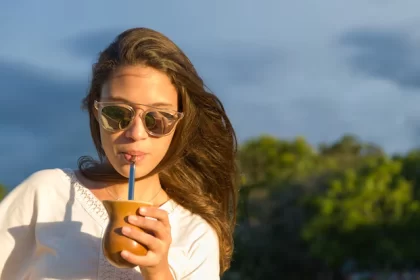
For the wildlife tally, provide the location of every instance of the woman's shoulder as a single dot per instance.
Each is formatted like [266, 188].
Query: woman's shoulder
[42, 185]
[43, 175]
[44, 180]
[47, 177]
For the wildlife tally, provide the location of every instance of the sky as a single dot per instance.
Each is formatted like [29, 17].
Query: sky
[285, 68]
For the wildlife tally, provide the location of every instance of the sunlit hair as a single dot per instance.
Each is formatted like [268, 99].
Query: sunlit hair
[199, 170]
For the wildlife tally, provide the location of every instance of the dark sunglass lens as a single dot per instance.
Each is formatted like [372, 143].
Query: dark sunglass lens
[152, 122]
[116, 117]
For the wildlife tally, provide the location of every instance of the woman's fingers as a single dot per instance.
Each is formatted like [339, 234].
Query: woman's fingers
[156, 213]
[151, 225]
[148, 240]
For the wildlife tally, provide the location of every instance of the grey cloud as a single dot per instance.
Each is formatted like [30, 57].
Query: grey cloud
[33, 96]
[41, 123]
[228, 62]
[384, 54]
[89, 44]
[239, 64]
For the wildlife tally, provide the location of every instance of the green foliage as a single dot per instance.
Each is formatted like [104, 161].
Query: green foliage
[363, 214]
[308, 211]
[3, 191]
[267, 159]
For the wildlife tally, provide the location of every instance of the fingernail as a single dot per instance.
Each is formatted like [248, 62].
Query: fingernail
[126, 230]
[143, 210]
[132, 218]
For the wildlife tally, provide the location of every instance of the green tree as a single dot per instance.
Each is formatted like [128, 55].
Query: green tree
[268, 238]
[267, 159]
[267, 163]
[3, 191]
[411, 169]
[366, 215]
[305, 211]
[349, 144]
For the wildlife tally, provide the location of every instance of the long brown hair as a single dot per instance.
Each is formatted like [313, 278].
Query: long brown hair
[199, 170]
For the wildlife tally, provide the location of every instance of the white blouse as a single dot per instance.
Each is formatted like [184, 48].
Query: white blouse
[51, 227]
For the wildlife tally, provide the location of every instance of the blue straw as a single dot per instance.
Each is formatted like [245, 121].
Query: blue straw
[131, 181]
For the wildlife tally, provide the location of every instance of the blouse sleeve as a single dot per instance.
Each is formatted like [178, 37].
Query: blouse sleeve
[204, 257]
[17, 214]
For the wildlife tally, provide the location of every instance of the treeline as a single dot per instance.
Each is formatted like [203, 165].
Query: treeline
[322, 212]
[3, 191]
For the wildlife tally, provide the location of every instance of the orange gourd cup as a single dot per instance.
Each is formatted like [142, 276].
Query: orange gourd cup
[114, 241]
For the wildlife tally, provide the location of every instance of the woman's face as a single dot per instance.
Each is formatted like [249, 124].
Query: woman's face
[137, 86]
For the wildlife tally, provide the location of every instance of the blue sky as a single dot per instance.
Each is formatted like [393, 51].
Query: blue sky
[287, 68]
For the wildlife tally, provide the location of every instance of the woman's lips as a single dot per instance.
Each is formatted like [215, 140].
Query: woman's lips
[129, 156]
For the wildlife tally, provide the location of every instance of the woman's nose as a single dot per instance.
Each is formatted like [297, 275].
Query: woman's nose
[137, 131]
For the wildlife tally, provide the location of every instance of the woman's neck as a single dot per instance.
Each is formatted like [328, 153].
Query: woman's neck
[147, 190]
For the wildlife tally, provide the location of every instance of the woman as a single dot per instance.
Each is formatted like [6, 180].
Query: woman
[146, 101]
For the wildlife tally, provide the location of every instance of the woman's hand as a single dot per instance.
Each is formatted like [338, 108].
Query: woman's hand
[156, 237]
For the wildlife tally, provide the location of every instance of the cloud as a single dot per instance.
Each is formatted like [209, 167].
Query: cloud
[238, 64]
[233, 62]
[384, 54]
[89, 44]
[43, 127]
